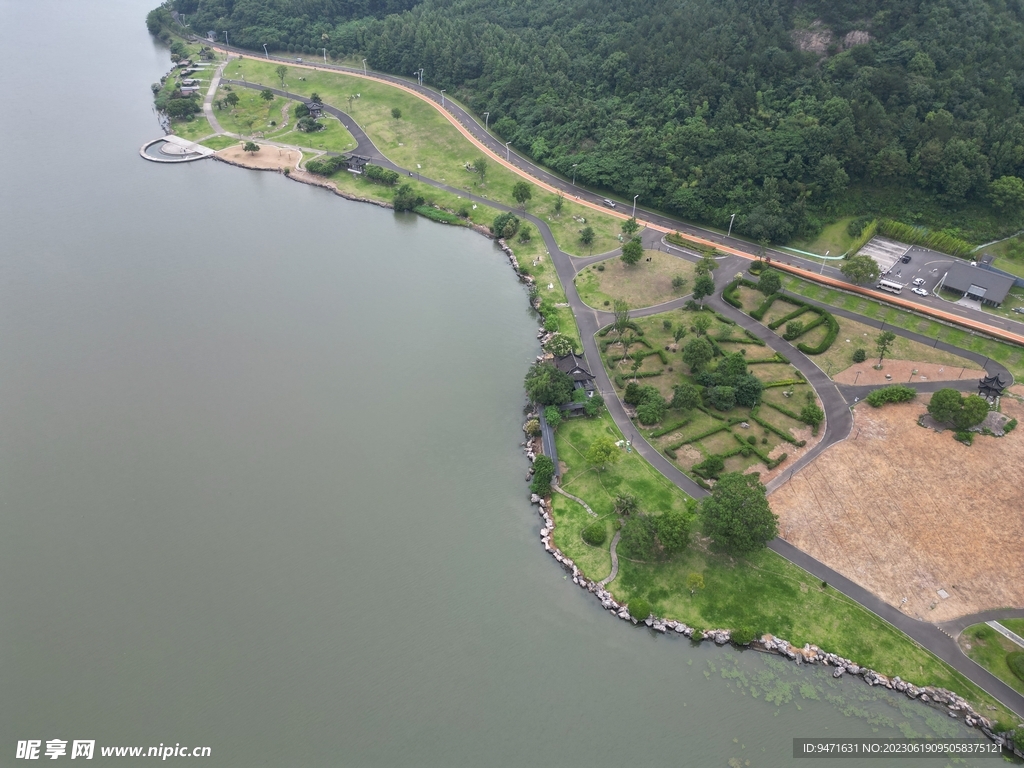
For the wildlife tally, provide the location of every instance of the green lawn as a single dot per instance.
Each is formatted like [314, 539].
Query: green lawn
[196, 128]
[219, 142]
[833, 239]
[1010, 355]
[989, 649]
[763, 591]
[334, 137]
[640, 285]
[423, 140]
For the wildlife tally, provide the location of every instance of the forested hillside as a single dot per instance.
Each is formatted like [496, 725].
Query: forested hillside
[786, 113]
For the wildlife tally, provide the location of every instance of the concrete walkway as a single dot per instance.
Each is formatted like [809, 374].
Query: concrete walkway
[615, 560]
[1012, 636]
[577, 499]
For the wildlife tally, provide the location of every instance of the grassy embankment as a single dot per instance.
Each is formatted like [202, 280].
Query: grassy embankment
[641, 285]
[197, 126]
[989, 649]
[763, 592]
[423, 141]
[683, 437]
[1008, 354]
[833, 239]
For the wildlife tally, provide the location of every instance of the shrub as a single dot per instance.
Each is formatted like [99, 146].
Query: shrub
[1015, 661]
[742, 636]
[651, 410]
[382, 175]
[532, 427]
[793, 329]
[639, 609]
[710, 467]
[722, 398]
[967, 438]
[1010, 425]
[309, 125]
[600, 268]
[859, 355]
[666, 324]
[678, 282]
[594, 534]
[752, 440]
[543, 473]
[894, 393]
[505, 225]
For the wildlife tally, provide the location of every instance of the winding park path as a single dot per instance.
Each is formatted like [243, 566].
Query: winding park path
[835, 399]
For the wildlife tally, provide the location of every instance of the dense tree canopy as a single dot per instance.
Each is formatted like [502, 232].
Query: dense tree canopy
[736, 515]
[547, 385]
[767, 109]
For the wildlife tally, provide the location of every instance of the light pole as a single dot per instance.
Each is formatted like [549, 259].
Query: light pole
[442, 98]
[419, 73]
[634, 205]
[823, 265]
[364, 67]
[325, 57]
[574, 173]
[487, 120]
[730, 225]
[506, 150]
[226, 41]
[266, 53]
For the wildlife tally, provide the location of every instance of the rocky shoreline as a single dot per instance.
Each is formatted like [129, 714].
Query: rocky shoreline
[955, 705]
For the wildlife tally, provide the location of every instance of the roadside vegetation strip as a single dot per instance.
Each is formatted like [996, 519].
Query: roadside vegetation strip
[991, 650]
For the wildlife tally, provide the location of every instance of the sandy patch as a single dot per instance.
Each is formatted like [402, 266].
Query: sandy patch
[902, 372]
[906, 512]
[792, 453]
[269, 158]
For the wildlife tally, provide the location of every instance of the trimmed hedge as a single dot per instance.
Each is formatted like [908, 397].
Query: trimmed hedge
[758, 313]
[778, 431]
[671, 427]
[631, 325]
[791, 316]
[781, 383]
[830, 336]
[700, 436]
[894, 393]
[636, 340]
[782, 410]
[620, 379]
[440, 216]
[731, 294]
[383, 175]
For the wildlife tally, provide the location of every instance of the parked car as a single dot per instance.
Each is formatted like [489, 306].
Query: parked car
[920, 291]
[1018, 310]
[918, 281]
[906, 259]
[608, 202]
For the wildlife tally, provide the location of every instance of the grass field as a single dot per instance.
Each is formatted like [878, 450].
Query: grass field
[762, 592]
[219, 142]
[641, 285]
[422, 139]
[833, 239]
[989, 649]
[196, 128]
[1009, 355]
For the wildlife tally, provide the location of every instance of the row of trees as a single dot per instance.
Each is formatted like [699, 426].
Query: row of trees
[708, 108]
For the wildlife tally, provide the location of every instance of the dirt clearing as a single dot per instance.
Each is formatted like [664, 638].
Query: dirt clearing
[268, 158]
[910, 513]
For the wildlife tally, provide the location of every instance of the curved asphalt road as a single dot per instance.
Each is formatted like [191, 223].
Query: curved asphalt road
[838, 425]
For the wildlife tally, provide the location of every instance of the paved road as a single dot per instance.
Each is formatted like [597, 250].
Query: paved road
[837, 428]
[956, 626]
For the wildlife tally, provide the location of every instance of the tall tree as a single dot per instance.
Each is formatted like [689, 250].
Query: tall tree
[769, 282]
[267, 95]
[621, 323]
[602, 452]
[630, 227]
[697, 353]
[736, 515]
[547, 385]
[860, 269]
[883, 343]
[703, 287]
[632, 251]
[281, 71]
[521, 192]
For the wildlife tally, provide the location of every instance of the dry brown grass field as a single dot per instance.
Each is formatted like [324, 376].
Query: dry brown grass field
[906, 512]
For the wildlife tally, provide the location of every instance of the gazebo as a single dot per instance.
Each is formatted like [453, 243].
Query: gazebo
[993, 386]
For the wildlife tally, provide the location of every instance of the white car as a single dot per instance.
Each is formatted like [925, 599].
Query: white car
[920, 291]
[919, 281]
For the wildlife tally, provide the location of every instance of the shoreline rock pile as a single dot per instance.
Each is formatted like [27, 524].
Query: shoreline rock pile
[810, 654]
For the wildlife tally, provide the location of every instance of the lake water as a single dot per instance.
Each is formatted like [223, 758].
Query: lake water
[260, 481]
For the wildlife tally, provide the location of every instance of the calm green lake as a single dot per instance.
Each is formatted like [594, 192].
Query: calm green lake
[260, 479]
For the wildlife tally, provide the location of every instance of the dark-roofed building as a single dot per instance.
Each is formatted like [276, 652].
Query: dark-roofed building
[576, 367]
[316, 109]
[979, 284]
[993, 386]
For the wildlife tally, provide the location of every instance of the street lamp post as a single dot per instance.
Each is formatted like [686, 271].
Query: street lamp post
[325, 57]
[634, 205]
[506, 150]
[487, 119]
[421, 76]
[442, 98]
[226, 41]
[823, 265]
[364, 67]
[731, 218]
[574, 173]
[266, 53]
